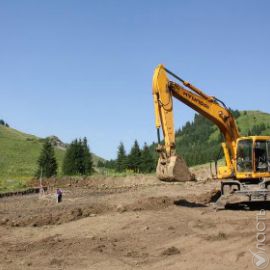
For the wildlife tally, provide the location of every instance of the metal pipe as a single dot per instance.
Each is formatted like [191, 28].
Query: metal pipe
[158, 135]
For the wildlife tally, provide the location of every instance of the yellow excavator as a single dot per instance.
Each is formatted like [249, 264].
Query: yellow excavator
[247, 159]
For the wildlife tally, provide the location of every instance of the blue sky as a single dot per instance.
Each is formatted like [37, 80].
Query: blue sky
[84, 68]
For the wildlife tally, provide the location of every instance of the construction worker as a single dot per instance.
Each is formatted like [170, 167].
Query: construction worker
[59, 195]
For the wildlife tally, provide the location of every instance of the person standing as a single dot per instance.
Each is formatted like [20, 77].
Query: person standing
[59, 195]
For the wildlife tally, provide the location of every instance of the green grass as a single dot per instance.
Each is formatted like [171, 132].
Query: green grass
[246, 121]
[113, 173]
[18, 158]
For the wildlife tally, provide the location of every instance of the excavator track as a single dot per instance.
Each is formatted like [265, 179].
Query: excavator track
[236, 192]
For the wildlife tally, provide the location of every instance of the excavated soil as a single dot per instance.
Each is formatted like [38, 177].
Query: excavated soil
[127, 223]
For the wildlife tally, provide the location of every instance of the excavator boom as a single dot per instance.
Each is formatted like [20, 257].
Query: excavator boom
[172, 166]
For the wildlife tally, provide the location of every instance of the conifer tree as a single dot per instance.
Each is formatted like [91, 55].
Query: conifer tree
[101, 164]
[47, 164]
[147, 160]
[78, 159]
[69, 159]
[134, 158]
[87, 157]
[121, 161]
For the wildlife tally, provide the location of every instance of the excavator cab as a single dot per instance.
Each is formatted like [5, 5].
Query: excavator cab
[253, 157]
[262, 156]
[250, 172]
[244, 156]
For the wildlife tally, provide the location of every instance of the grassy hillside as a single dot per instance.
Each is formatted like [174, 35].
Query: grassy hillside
[247, 121]
[18, 156]
[199, 141]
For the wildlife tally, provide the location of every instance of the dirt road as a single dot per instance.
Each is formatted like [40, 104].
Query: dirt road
[127, 223]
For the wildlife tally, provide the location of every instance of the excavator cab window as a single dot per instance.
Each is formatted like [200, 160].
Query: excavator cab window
[244, 156]
[262, 157]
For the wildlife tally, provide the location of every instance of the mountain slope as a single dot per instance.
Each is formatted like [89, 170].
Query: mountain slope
[247, 121]
[199, 141]
[19, 153]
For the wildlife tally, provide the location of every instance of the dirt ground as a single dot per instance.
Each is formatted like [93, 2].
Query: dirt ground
[127, 223]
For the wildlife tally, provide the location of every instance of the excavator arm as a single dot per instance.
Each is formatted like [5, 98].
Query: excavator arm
[170, 166]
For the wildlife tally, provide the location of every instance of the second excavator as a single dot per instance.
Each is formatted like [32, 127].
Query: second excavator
[247, 159]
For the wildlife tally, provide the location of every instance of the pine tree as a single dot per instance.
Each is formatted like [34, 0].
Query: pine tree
[3, 123]
[78, 159]
[68, 162]
[121, 161]
[101, 164]
[47, 164]
[147, 160]
[134, 158]
[110, 164]
[87, 158]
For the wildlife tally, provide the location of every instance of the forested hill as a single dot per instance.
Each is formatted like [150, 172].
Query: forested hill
[198, 141]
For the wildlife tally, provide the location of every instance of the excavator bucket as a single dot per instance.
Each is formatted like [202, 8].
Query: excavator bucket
[173, 169]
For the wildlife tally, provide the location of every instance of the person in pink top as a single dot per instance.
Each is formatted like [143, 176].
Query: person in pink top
[59, 195]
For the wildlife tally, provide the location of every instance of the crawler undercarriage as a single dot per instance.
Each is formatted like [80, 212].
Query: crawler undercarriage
[234, 191]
